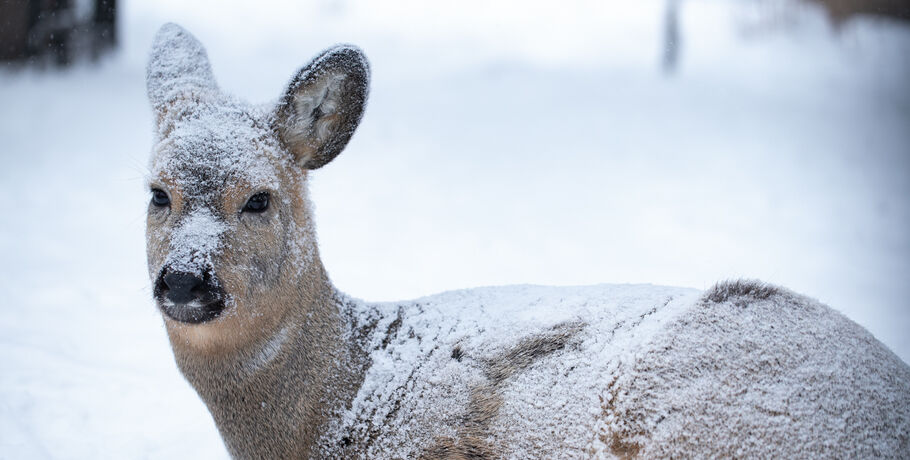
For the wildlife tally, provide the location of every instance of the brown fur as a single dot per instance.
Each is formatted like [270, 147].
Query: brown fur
[473, 431]
[740, 290]
[249, 321]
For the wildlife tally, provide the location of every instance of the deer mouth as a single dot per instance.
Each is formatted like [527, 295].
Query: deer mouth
[199, 305]
[193, 312]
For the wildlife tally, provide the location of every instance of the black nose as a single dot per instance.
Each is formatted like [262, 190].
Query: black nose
[188, 297]
[180, 286]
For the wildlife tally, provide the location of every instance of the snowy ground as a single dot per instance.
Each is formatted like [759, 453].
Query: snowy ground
[502, 144]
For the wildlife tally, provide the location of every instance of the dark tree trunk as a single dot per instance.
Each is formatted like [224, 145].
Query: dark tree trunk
[105, 26]
[56, 30]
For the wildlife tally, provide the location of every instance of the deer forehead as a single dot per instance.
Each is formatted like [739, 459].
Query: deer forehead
[209, 150]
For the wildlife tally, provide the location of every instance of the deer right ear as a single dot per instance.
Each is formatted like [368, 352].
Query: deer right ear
[323, 105]
[178, 68]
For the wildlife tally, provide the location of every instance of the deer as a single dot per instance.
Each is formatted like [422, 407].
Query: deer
[290, 367]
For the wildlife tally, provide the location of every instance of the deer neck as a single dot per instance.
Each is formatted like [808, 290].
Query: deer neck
[281, 390]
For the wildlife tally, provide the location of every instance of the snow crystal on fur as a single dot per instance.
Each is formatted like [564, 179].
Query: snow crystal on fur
[636, 370]
[195, 242]
[754, 370]
[178, 66]
[205, 137]
[542, 356]
[206, 140]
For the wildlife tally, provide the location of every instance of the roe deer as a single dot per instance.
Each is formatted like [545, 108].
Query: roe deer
[290, 367]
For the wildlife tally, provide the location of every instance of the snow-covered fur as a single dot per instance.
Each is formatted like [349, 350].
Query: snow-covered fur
[291, 368]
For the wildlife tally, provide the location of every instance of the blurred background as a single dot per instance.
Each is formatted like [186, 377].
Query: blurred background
[676, 142]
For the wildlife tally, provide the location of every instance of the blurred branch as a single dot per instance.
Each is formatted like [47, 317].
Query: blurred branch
[671, 37]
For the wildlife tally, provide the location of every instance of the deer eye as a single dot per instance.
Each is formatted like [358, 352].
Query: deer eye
[257, 203]
[159, 198]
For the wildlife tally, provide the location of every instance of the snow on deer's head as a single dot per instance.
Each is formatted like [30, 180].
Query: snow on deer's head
[231, 245]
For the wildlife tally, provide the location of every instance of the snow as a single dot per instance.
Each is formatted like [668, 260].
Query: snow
[496, 149]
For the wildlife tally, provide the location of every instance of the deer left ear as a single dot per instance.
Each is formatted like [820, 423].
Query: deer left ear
[323, 105]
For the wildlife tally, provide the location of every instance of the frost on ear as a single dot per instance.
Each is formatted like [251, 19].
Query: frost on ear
[178, 68]
[323, 105]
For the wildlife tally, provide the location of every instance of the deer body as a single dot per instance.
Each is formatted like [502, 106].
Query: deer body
[291, 368]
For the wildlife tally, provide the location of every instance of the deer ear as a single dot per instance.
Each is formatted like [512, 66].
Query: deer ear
[178, 68]
[323, 105]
